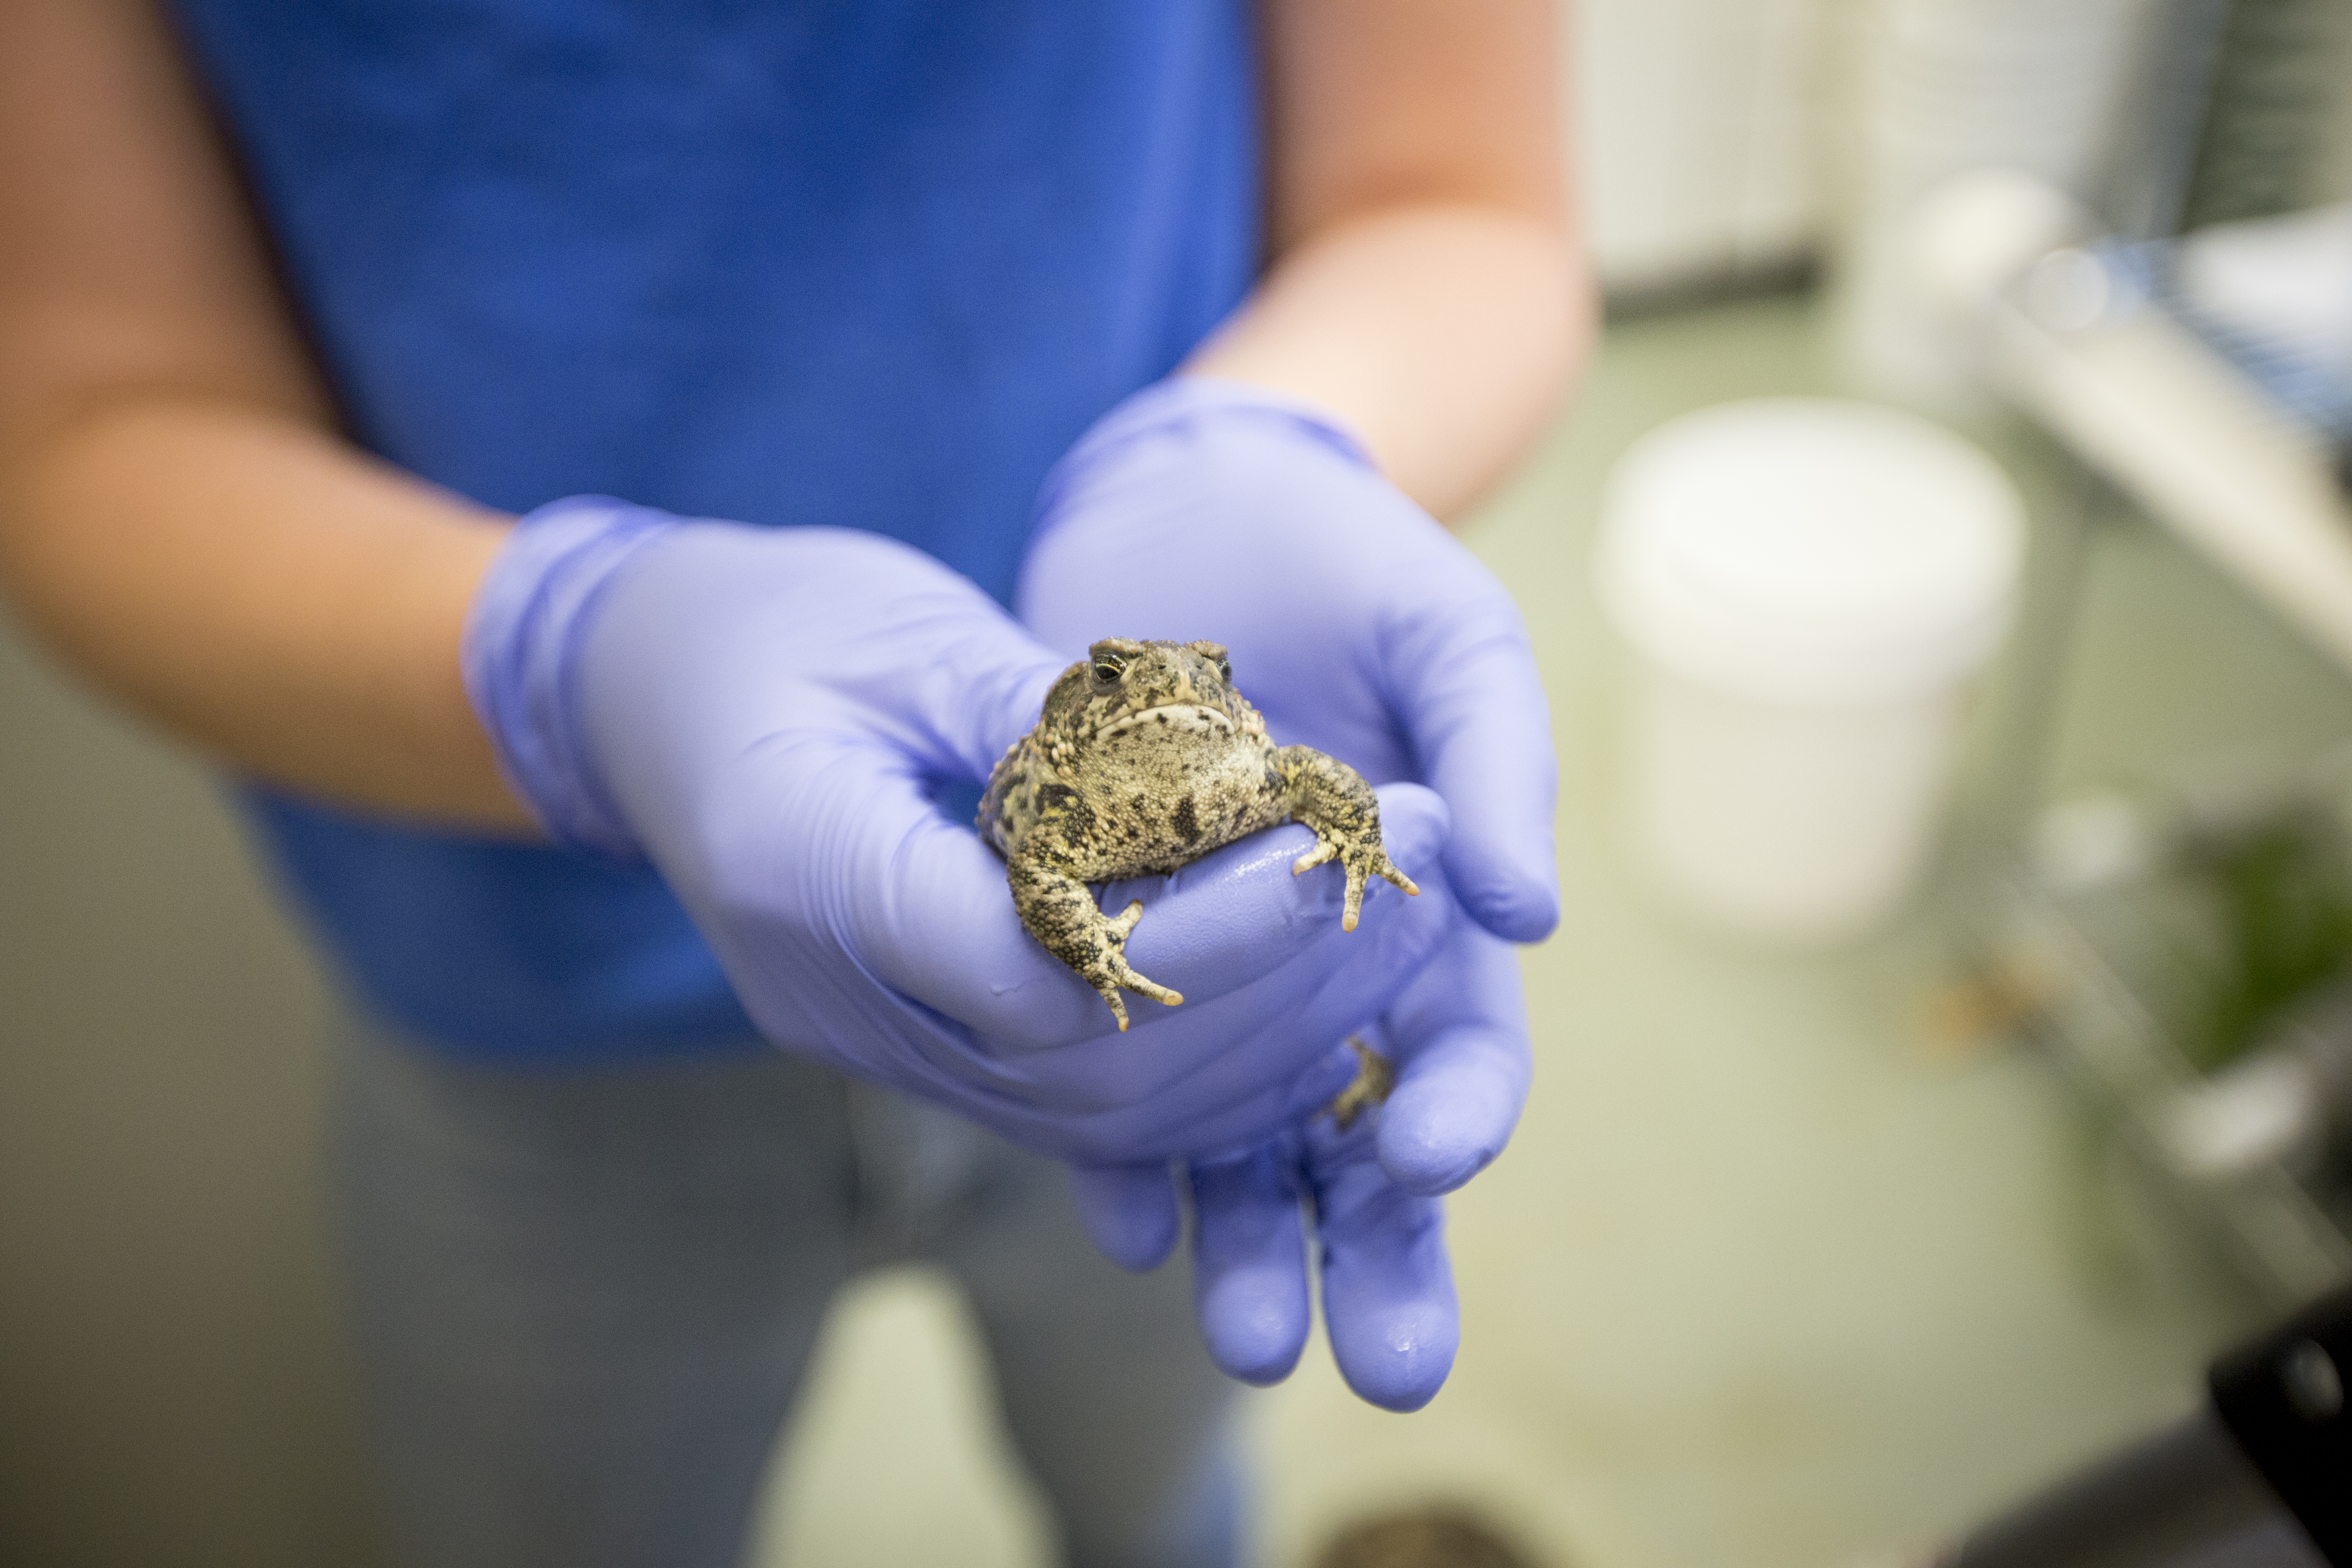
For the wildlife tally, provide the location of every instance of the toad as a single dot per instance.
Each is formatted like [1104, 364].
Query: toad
[1147, 758]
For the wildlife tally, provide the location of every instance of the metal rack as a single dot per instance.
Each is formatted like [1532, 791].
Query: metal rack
[2082, 960]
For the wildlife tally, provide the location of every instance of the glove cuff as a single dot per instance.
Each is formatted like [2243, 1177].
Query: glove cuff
[516, 653]
[1195, 402]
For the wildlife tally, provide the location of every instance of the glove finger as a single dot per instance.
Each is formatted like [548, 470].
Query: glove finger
[1200, 903]
[900, 895]
[1217, 1133]
[1249, 1263]
[1458, 1036]
[1212, 1075]
[1466, 689]
[1129, 1211]
[1236, 934]
[1151, 1132]
[1251, 1082]
[834, 831]
[1388, 1288]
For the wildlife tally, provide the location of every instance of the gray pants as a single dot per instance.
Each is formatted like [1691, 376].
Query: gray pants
[584, 1299]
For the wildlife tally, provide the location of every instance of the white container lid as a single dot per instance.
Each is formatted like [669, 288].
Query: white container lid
[1810, 551]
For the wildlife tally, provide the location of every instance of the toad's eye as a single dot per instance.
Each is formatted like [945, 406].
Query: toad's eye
[1108, 668]
[1224, 669]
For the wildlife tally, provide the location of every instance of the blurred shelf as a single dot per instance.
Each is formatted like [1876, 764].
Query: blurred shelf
[2180, 430]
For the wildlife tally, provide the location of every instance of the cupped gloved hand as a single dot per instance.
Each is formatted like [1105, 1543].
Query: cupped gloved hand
[768, 715]
[1455, 1039]
[1201, 508]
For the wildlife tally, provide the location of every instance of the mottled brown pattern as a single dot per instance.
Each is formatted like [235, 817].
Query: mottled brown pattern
[1146, 758]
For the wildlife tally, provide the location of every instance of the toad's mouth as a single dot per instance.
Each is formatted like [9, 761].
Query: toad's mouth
[1172, 718]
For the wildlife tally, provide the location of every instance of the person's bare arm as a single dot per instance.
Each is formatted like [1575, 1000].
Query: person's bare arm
[1427, 284]
[178, 518]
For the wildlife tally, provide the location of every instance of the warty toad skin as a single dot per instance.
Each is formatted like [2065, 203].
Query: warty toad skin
[1147, 758]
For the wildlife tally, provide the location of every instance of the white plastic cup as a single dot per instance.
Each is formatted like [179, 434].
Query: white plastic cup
[1808, 585]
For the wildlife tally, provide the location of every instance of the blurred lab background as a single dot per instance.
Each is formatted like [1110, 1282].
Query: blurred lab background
[1944, 586]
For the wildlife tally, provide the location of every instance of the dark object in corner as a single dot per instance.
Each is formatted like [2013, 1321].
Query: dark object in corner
[1445, 1536]
[2256, 1478]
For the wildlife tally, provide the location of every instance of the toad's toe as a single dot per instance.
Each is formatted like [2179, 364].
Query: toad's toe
[1108, 972]
[1363, 865]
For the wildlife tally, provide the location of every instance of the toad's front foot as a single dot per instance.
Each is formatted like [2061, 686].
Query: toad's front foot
[1361, 857]
[1060, 913]
[1331, 798]
[1106, 970]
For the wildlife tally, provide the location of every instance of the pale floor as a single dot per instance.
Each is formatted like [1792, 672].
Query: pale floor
[1762, 1281]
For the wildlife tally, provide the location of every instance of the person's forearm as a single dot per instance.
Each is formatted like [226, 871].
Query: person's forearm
[1443, 336]
[265, 591]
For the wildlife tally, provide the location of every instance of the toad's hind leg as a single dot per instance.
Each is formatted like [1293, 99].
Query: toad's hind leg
[1375, 1079]
[1056, 909]
[1333, 799]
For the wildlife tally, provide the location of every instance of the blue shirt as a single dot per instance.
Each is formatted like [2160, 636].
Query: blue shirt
[868, 263]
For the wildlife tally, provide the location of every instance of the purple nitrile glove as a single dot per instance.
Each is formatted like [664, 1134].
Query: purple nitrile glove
[1457, 1036]
[767, 714]
[1388, 1292]
[1201, 508]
